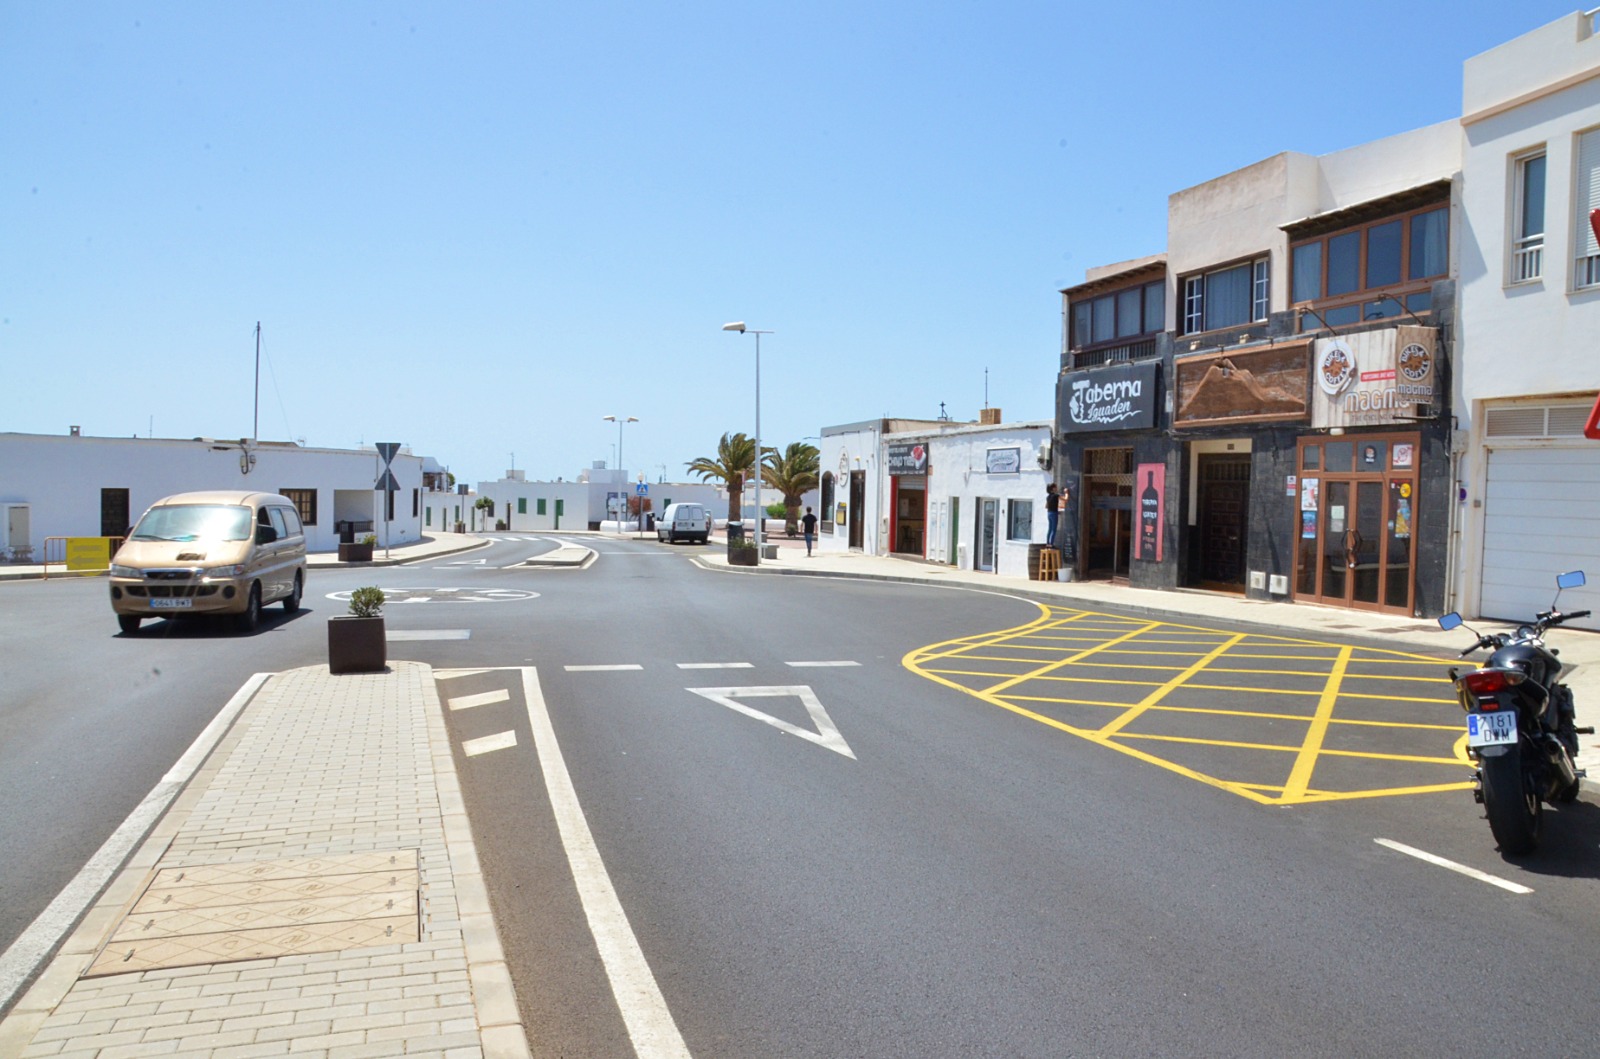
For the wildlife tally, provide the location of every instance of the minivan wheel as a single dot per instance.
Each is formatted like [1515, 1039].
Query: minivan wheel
[251, 616]
[129, 623]
[291, 602]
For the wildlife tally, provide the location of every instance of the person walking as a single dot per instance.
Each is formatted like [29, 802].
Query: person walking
[1052, 513]
[809, 525]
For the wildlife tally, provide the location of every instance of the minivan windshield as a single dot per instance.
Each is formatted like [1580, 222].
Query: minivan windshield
[194, 522]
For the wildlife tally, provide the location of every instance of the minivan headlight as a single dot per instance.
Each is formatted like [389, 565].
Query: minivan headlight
[225, 571]
[125, 571]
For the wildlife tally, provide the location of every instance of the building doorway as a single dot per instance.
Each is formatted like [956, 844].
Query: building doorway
[1223, 505]
[114, 513]
[909, 502]
[1357, 518]
[858, 500]
[988, 520]
[1107, 513]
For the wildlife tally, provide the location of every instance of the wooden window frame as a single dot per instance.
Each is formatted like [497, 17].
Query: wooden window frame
[1322, 303]
[1146, 288]
[305, 504]
[1191, 288]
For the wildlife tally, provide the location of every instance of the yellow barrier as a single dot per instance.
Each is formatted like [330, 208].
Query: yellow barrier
[81, 556]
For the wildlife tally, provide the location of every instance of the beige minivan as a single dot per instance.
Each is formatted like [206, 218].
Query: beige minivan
[210, 553]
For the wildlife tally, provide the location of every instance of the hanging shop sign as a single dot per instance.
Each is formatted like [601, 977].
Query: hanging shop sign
[1375, 378]
[908, 457]
[1120, 397]
[1003, 461]
[1268, 384]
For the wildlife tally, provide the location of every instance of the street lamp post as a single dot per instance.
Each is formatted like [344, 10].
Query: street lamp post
[743, 330]
[622, 478]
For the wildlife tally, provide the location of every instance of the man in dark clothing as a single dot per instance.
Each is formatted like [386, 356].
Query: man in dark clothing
[1052, 513]
[809, 524]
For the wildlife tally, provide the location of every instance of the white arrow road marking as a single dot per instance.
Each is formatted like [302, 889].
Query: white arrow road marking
[467, 702]
[1471, 873]
[502, 741]
[827, 733]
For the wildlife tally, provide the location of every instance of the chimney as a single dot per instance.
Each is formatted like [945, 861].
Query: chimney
[76, 431]
[989, 416]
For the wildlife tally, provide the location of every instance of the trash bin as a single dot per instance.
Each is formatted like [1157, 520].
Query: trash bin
[649, 521]
[736, 531]
[347, 531]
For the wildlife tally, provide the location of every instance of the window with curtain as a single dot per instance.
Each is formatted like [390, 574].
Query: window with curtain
[1226, 297]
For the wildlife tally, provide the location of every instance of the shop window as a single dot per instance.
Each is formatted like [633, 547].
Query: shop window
[1019, 520]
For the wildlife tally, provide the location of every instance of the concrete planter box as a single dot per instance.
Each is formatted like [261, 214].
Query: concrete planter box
[357, 645]
[745, 556]
[355, 553]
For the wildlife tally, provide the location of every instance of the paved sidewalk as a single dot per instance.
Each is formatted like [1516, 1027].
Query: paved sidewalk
[317, 774]
[1577, 648]
[430, 546]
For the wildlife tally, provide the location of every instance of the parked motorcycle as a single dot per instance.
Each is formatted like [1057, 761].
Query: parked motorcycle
[1521, 731]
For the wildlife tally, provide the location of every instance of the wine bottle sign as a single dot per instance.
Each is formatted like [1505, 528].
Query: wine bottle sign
[1151, 484]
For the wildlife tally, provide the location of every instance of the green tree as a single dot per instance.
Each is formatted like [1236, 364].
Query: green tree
[735, 459]
[793, 474]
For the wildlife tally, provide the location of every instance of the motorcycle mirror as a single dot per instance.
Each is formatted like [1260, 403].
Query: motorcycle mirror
[1573, 579]
[1450, 621]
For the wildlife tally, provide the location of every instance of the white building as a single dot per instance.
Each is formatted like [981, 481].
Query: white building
[587, 501]
[1529, 349]
[74, 486]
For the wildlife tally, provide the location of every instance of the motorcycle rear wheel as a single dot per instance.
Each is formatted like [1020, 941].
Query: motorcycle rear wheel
[1512, 805]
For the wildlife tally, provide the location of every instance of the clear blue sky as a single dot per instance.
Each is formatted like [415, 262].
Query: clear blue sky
[477, 228]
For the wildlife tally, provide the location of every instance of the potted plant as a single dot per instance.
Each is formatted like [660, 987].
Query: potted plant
[358, 552]
[742, 552]
[356, 642]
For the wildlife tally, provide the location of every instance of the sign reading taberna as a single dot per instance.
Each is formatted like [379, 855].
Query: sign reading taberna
[908, 457]
[1120, 397]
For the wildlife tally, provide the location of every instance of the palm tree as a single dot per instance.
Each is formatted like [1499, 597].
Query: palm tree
[735, 459]
[793, 474]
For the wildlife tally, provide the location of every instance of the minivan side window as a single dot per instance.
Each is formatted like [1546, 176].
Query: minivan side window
[291, 519]
[278, 526]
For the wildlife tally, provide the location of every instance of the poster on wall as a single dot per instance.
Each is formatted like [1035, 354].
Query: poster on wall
[1151, 509]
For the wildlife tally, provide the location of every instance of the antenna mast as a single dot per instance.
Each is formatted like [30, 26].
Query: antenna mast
[255, 426]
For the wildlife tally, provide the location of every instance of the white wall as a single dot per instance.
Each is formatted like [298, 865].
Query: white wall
[957, 463]
[61, 478]
[846, 449]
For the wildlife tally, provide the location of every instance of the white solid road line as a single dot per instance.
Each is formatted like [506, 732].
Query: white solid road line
[489, 743]
[404, 635]
[644, 1010]
[17, 963]
[467, 702]
[1471, 873]
[627, 667]
[715, 665]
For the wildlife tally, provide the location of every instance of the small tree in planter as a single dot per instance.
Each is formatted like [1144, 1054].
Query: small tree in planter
[742, 552]
[356, 642]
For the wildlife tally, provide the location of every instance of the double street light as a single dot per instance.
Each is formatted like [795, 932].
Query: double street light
[622, 477]
[743, 330]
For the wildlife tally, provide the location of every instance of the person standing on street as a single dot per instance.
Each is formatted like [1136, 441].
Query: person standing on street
[809, 525]
[1052, 513]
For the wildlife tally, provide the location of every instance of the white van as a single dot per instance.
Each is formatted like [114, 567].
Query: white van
[684, 522]
[210, 553]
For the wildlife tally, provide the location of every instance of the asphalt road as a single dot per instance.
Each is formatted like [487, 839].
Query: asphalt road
[913, 871]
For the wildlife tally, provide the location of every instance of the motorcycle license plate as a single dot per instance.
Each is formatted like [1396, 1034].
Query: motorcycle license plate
[171, 604]
[1489, 729]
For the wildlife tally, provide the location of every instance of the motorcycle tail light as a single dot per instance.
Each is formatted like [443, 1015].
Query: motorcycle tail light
[1492, 681]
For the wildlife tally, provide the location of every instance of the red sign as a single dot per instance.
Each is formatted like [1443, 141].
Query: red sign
[1151, 510]
[1591, 429]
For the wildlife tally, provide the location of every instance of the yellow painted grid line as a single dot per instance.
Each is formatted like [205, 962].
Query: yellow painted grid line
[1171, 684]
[1042, 670]
[1250, 714]
[1300, 775]
[1292, 748]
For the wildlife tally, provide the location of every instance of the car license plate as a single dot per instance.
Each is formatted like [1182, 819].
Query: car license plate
[171, 604]
[1489, 729]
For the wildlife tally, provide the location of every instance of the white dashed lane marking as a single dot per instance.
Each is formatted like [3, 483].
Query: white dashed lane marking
[626, 667]
[819, 665]
[716, 665]
[489, 743]
[467, 702]
[1460, 869]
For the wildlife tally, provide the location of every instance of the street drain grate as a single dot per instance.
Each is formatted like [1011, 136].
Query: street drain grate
[221, 913]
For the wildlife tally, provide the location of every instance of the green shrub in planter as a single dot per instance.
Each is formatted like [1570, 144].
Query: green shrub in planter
[356, 641]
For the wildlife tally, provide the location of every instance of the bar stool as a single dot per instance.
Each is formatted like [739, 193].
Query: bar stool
[1049, 564]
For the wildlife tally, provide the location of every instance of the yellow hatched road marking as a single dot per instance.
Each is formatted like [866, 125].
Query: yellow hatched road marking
[1063, 634]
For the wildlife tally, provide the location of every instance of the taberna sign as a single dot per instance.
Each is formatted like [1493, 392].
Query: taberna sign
[1120, 397]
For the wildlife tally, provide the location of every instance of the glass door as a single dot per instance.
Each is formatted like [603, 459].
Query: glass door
[1357, 517]
[988, 516]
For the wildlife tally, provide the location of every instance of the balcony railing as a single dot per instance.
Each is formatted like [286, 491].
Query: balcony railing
[1122, 353]
[1527, 260]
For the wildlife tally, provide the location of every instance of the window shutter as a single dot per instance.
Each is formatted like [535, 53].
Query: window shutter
[1588, 193]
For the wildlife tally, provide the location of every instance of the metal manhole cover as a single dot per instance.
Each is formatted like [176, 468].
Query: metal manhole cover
[219, 913]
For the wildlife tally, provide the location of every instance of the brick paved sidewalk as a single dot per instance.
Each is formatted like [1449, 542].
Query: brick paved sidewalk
[350, 777]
